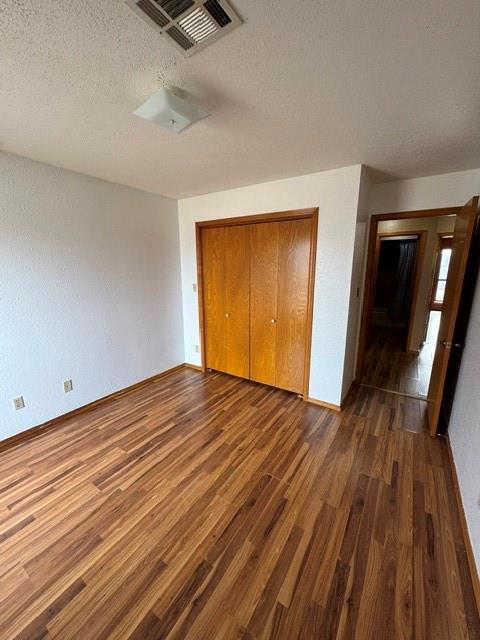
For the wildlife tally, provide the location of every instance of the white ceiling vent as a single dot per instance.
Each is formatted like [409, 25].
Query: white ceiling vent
[189, 25]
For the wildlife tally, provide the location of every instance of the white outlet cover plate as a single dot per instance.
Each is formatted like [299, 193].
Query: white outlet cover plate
[19, 403]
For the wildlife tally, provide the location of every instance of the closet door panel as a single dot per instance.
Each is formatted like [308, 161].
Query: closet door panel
[255, 300]
[213, 258]
[237, 300]
[263, 301]
[292, 302]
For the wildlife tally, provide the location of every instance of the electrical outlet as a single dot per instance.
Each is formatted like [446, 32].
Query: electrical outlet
[67, 386]
[19, 403]
[197, 348]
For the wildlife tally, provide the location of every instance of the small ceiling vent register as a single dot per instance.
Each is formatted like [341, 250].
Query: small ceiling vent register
[189, 25]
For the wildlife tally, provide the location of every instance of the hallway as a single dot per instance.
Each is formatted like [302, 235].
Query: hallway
[388, 367]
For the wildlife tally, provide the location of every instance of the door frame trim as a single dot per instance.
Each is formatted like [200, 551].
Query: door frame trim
[277, 216]
[370, 271]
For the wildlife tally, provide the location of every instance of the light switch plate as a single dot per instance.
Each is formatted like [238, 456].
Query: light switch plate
[67, 386]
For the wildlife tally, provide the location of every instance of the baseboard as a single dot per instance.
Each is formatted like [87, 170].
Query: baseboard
[325, 405]
[335, 407]
[17, 439]
[463, 521]
[196, 367]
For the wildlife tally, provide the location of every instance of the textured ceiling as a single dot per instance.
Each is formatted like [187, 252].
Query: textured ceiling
[300, 87]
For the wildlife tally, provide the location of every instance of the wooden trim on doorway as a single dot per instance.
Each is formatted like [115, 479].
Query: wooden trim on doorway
[419, 213]
[277, 216]
[371, 269]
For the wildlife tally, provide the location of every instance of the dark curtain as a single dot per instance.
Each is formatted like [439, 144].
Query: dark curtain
[401, 297]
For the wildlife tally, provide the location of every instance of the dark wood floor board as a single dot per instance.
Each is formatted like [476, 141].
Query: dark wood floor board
[388, 366]
[203, 506]
[268, 537]
[29, 542]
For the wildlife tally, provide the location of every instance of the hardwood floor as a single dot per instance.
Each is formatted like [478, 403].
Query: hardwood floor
[203, 506]
[387, 366]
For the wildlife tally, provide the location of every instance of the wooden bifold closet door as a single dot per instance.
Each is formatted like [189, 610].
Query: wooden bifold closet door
[226, 286]
[256, 281]
[279, 273]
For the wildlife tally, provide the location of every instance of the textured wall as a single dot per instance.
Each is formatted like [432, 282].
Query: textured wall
[336, 194]
[357, 282]
[430, 192]
[464, 429]
[355, 307]
[90, 289]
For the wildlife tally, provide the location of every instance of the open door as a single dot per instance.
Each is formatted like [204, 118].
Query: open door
[462, 237]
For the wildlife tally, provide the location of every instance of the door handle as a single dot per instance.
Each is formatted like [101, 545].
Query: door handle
[227, 315]
[448, 345]
[273, 321]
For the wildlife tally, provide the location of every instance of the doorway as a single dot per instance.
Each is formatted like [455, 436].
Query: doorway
[400, 260]
[389, 361]
[411, 268]
[412, 301]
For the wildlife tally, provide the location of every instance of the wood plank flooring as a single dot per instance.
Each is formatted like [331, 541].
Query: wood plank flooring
[388, 367]
[202, 506]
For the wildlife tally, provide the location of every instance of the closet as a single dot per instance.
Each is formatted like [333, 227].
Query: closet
[256, 277]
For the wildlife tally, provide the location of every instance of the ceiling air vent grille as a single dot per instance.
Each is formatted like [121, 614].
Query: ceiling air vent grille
[198, 25]
[215, 9]
[179, 38]
[175, 8]
[152, 12]
[189, 25]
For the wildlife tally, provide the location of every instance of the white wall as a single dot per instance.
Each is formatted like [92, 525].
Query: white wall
[464, 428]
[90, 289]
[357, 283]
[336, 193]
[447, 190]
